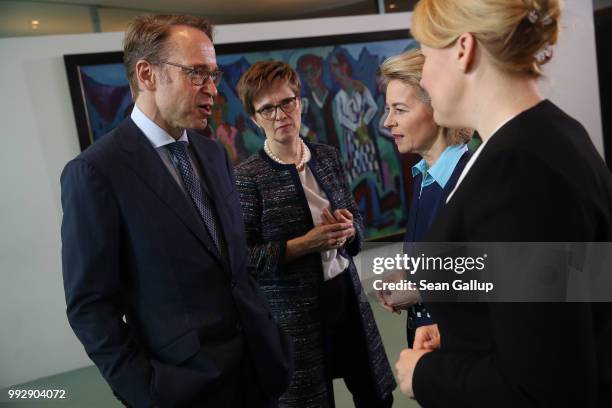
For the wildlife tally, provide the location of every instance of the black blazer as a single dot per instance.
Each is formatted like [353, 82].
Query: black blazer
[158, 311]
[538, 179]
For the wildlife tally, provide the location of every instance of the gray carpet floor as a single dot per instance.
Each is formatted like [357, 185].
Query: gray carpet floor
[85, 387]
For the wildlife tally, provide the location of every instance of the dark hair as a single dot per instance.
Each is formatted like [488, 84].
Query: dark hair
[146, 38]
[262, 75]
[343, 59]
[309, 60]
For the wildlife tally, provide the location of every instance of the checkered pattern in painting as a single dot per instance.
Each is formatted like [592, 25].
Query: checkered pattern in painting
[178, 151]
[361, 158]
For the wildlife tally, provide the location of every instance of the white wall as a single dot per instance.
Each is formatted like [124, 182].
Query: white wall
[38, 137]
[572, 81]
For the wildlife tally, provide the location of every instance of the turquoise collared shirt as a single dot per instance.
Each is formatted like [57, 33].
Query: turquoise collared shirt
[442, 169]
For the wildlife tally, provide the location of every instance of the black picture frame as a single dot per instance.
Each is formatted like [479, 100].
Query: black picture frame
[74, 64]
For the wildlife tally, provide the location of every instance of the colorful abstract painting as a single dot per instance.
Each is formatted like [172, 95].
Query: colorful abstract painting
[107, 96]
[342, 105]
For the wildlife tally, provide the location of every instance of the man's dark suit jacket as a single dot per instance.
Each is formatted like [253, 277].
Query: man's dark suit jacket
[159, 312]
[538, 179]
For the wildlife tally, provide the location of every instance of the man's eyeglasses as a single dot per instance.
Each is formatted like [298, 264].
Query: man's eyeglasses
[287, 105]
[198, 76]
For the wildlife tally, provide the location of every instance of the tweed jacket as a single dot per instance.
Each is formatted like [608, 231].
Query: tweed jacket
[275, 210]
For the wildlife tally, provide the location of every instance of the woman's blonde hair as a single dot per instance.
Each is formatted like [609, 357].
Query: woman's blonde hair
[518, 35]
[407, 68]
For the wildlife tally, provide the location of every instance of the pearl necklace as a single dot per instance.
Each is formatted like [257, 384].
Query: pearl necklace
[302, 162]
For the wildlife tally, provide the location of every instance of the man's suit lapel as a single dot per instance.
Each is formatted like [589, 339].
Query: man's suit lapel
[213, 171]
[145, 161]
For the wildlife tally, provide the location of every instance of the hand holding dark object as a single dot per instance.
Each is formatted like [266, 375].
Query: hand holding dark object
[427, 337]
[396, 300]
[381, 296]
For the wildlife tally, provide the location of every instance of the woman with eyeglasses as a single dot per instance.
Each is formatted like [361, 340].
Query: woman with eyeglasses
[303, 227]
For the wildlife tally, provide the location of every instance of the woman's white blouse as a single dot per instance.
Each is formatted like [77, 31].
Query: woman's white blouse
[333, 262]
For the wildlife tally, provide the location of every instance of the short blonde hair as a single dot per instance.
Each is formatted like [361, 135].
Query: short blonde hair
[513, 32]
[408, 68]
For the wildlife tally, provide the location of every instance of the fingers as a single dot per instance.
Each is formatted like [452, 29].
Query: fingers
[337, 230]
[343, 214]
[421, 336]
[346, 213]
[432, 344]
[339, 215]
[332, 236]
[380, 296]
[335, 243]
[327, 217]
[343, 219]
[351, 231]
[404, 354]
[419, 340]
[387, 307]
[426, 344]
[427, 337]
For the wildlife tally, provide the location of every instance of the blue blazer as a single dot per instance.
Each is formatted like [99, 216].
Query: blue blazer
[160, 313]
[423, 210]
[422, 213]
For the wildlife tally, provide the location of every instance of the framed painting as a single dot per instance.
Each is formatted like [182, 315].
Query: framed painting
[100, 93]
[343, 105]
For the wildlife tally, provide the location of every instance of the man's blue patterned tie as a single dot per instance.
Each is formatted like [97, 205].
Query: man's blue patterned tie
[178, 151]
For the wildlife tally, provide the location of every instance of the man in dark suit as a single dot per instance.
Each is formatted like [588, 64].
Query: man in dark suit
[154, 252]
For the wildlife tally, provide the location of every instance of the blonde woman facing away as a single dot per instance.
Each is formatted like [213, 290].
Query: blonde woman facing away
[537, 177]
